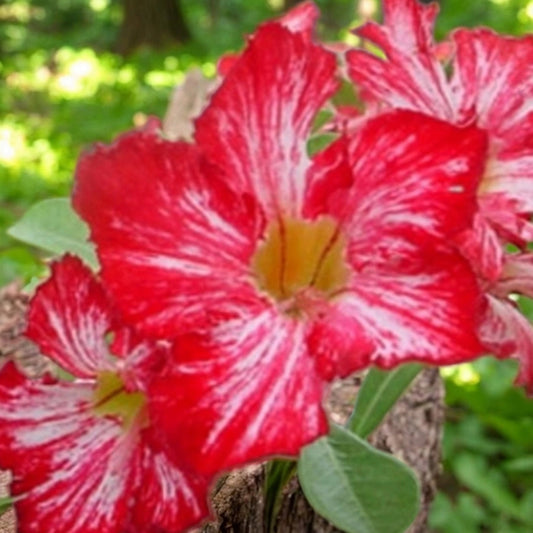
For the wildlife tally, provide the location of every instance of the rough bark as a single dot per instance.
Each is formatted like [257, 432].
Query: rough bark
[155, 24]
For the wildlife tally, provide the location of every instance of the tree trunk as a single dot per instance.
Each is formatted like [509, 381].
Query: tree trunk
[155, 24]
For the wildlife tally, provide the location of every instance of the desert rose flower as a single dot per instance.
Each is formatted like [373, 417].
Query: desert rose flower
[84, 454]
[296, 269]
[491, 85]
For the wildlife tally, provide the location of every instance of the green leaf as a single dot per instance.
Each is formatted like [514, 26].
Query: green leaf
[519, 464]
[526, 507]
[356, 487]
[320, 142]
[474, 472]
[5, 504]
[277, 475]
[465, 516]
[53, 226]
[378, 393]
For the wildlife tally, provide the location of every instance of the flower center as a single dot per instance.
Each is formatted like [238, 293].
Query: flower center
[297, 255]
[111, 398]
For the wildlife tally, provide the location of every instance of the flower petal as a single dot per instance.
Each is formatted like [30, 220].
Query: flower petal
[173, 241]
[492, 75]
[329, 178]
[517, 275]
[301, 19]
[72, 469]
[507, 333]
[411, 76]
[418, 317]
[493, 79]
[339, 343]
[482, 247]
[510, 176]
[506, 213]
[139, 359]
[415, 181]
[69, 317]
[258, 122]
[170, 498]
[250, 393]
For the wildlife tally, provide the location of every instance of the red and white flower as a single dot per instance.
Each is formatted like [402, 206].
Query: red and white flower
[296, 269]
[84, 454]
[505, 331]
[492, 86]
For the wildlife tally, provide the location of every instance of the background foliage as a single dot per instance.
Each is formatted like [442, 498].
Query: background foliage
[63, 87]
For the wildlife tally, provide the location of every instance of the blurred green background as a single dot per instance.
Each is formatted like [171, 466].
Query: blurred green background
[73, 72]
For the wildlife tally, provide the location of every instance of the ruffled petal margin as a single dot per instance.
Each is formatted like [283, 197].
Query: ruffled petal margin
[422, 317]
[411, 76]
[69, 317]
[483, 248]
[414, 188]
[507, 333]
[517, 274]
[172, 239]
[170, 498]
[492, 74]
[258, 122]
[301, 19]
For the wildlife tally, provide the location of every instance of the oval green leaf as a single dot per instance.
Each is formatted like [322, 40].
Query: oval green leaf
[378, 394]
[52, 225]
[356, 487]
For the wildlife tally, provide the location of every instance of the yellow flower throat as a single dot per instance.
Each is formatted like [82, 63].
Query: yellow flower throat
[296, 255]
[111, 398]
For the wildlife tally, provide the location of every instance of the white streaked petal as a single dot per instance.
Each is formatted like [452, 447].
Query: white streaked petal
[252, 392]
[69, 317]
